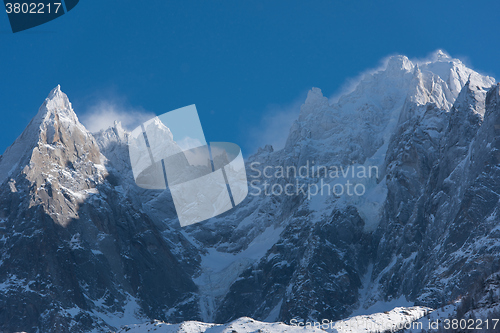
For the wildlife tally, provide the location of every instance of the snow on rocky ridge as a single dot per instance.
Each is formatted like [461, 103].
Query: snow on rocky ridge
[98, 252]
[393, 320]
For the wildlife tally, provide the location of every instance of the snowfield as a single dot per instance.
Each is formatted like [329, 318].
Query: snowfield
[83, 248]
[393, 320]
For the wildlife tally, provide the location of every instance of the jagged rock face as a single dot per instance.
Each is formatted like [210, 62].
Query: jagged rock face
[65, 160]
[293, 280]
[82, 247]
[438, 232]
[72, 244]
[418, 140]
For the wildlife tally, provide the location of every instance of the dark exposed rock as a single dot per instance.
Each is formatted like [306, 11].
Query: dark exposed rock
[82, 247]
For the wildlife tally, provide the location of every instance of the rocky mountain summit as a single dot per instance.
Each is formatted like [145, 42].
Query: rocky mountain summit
[82, 248]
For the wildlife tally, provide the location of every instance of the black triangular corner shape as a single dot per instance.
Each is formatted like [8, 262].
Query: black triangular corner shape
[70, 4]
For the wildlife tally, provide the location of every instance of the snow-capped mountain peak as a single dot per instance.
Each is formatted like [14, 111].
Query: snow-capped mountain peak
[57, 101]
[113, 253]
[56, 118]
[398, 65]
[53, 142]
[314, 102]
[439, 55]
[42, 128]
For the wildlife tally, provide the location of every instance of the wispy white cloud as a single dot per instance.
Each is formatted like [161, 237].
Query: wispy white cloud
[350, 84]
[465, 59]
[104, 113]
[275, 124]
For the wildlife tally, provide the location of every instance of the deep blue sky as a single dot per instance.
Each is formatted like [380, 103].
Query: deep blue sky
[236, 60]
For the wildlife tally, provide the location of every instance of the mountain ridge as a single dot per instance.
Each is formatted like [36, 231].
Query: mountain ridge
[84, 248]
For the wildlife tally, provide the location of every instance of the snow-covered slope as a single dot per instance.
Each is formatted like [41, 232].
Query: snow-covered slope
[479, 310]
[242, 325]
[378, 322]
[83, 248]
[329, 243]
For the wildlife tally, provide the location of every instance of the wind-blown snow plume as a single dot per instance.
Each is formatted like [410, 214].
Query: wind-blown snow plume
[103, 115]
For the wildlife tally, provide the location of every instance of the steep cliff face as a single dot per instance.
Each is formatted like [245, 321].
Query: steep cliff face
[55, 155]
[83, 248]
[437, 235]
[336, 255]
[75, 252]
